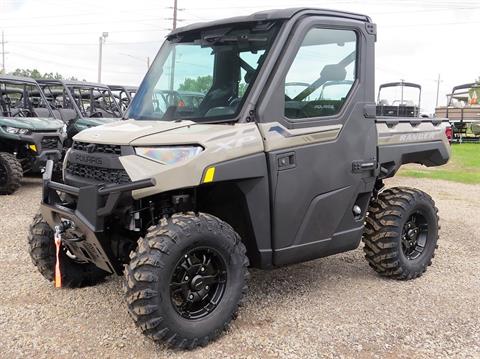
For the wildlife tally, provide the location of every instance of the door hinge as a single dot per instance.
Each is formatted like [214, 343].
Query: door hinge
[362, 166]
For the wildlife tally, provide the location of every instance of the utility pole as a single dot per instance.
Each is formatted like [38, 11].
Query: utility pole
[438, 89]
[174, 26]
[3, 52]
[175, 9]
[101, 41]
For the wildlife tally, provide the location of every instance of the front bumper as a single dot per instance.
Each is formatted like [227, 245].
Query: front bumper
[92, 204]
[42, 158]
[48, 146]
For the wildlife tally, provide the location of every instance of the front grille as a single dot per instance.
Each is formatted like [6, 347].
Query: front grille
[97, 148]
[49, 143]
[108, 175]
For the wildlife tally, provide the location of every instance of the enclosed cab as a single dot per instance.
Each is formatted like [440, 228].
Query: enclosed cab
[183, 199]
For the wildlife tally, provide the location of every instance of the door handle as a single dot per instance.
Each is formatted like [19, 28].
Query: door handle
[286, 161]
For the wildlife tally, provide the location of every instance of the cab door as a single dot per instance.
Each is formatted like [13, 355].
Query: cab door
[320, 138]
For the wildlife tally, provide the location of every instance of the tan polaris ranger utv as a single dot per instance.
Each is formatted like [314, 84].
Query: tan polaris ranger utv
[182, 200]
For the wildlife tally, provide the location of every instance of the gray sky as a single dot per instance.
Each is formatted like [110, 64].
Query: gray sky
[417, 40]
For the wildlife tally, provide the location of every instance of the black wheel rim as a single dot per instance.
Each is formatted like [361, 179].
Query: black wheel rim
[414, 236]
[3, 174]
[198, 283]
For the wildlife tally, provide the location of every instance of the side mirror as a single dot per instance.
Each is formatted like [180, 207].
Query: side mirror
[333, 72]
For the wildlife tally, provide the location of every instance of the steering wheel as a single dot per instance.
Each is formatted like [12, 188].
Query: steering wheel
[96, 114]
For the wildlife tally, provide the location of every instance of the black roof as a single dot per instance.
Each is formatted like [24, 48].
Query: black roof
[20, 79]
[268, 15]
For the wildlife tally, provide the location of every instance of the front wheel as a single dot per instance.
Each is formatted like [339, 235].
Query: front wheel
[41, 247]
[11, 173]
[401, 233]
[185, 280]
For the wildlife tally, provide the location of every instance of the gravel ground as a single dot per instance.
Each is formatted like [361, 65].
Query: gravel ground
[332, 307]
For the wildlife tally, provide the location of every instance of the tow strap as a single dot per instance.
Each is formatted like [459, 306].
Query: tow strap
[58, 245]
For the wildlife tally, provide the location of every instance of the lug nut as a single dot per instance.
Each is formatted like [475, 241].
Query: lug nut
[186, 277]
[202, 269]
[190, 296]
[207, 287]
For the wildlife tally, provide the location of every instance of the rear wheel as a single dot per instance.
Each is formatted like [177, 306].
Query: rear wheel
[11, 173]
[41, 247]
[186, 279]
[401, 233]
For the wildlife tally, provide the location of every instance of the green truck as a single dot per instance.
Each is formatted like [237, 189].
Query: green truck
[29, 132]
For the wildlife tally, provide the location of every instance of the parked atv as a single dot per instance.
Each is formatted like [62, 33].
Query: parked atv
[182, 200]
[80, 105]
[29, 133]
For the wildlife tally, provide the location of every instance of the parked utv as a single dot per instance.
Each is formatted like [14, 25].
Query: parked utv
[123, 95]
[182, 200]
[80, 105]
[29, 134]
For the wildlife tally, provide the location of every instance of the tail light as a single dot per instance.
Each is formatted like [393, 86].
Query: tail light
[449, 133]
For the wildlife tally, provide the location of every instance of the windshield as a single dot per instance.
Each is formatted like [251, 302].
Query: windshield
[203, 76]
[19, 99]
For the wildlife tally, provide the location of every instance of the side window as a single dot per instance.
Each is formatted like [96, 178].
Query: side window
[322, 74]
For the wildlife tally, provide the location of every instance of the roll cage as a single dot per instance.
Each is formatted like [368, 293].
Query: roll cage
[88, 100]
[16, 101]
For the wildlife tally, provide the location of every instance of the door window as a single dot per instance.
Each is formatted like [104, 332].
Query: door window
[322, 74]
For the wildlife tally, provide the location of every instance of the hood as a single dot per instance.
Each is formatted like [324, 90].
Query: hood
[32, 123]
[124, 132]
[96, 121]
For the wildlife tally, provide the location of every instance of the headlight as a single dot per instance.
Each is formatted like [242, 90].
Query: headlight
[169, 155]
[16, 131]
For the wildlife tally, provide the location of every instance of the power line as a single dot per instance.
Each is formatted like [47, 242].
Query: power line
[88, 44]
[74, 65]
